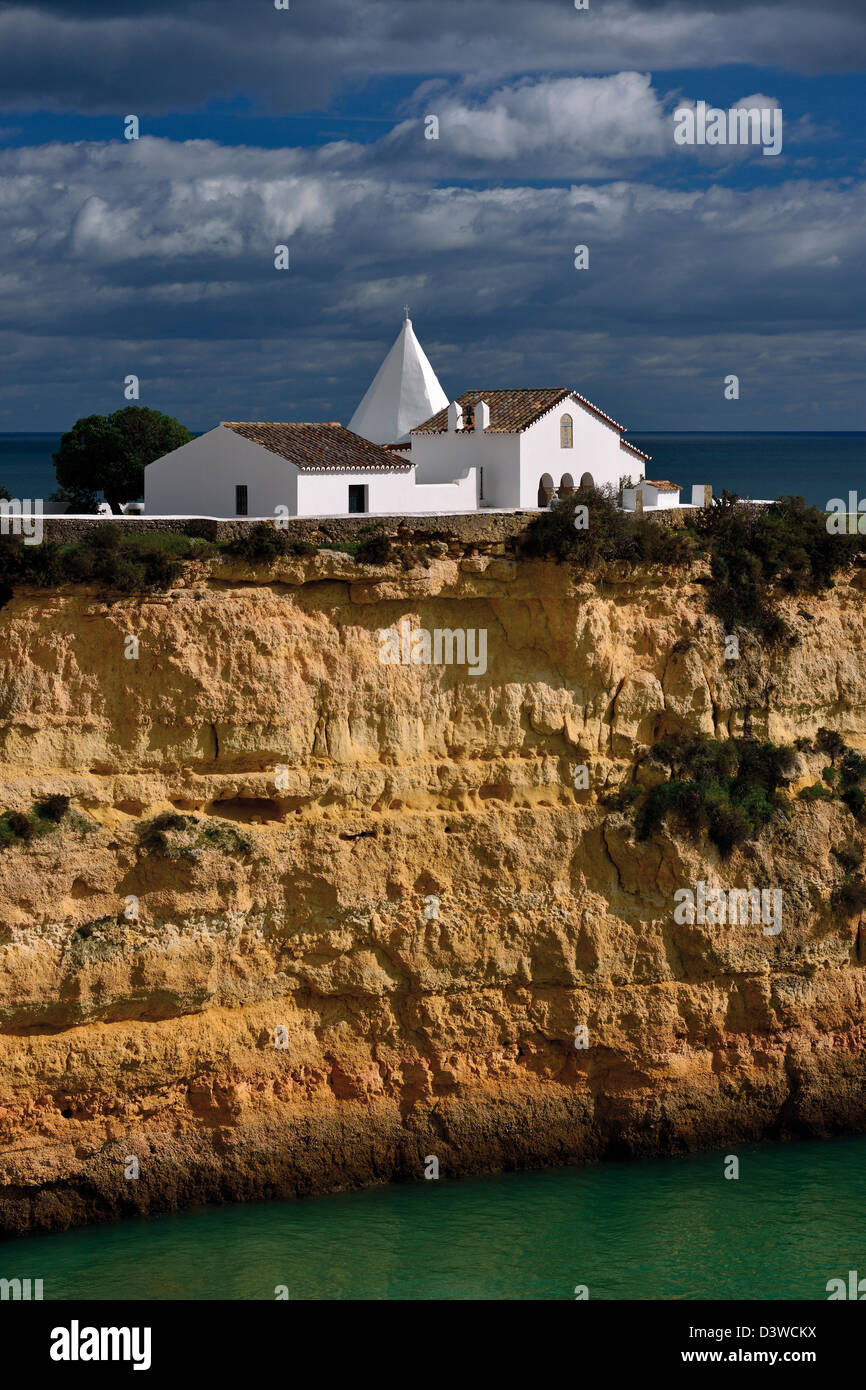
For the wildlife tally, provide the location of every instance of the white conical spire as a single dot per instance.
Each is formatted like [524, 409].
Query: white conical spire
[404, 393]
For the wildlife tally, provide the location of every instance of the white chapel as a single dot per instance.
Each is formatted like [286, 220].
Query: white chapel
[406, 451]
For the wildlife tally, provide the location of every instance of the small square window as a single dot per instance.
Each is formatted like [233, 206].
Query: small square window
[241, 504]
[357, 497]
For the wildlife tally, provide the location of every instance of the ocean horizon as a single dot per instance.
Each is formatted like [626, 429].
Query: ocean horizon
[814, 464]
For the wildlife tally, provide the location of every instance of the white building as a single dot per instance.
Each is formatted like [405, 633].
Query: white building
[527, 445]
[661, 495]
[290, 469]
[406, 452]
[651, 494]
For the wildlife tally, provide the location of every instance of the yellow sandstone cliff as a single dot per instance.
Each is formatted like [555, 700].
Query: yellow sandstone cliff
[428, 910]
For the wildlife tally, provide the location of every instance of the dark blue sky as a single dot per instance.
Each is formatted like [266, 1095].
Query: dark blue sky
[306, 127]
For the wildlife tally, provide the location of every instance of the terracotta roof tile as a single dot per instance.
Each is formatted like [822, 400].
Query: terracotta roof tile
[513, 411]
[319, 448]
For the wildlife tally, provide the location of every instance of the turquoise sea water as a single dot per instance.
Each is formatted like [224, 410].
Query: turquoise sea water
[665, 1229]
[817, 466]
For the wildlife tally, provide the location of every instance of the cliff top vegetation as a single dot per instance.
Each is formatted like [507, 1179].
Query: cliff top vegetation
[753, 552]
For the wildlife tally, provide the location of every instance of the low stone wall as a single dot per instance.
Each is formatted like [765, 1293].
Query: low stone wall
[669, 516]
[64, 529]
[682, 516]
[482, 529]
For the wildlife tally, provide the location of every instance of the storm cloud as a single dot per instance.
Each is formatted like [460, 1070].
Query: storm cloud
[157, 56]
[157, 258]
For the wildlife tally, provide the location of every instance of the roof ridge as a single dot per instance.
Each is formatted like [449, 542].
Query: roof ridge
[511, 389]
[554, 394]
[297, 424]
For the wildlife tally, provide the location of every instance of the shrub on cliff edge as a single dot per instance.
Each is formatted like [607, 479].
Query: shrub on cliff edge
[104, 557]
[264, 543]
[752, 549]
[610, 534]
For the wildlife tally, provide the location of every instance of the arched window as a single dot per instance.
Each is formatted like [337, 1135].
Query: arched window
[566, 432]
[566, 486]
[545, 490]
[587, 480]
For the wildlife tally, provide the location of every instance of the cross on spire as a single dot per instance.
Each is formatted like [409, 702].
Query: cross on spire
[405, 311]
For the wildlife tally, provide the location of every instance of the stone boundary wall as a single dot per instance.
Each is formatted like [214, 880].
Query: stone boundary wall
[468, 528]
[679, 516]
[64, 529]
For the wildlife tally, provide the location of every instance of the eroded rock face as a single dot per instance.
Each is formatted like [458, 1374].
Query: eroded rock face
[428, 910]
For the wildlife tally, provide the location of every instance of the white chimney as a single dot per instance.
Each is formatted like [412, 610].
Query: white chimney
[482, 415]
[455, 417]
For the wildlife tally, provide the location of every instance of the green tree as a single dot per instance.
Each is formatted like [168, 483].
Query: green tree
[109, 453]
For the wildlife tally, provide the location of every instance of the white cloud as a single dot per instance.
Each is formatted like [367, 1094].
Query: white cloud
[577, 125]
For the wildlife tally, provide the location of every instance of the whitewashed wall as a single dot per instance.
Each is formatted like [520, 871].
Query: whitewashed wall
[651, 498]
[661, 500]
[514, 464]
[327, 494]
[595, 451]
[630, 464]
[199, 478]
[459, 495]
[441, 457]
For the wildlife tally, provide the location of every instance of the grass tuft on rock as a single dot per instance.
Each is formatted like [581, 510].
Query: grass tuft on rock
[185, 837]
[843, 778]
[22, 827]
